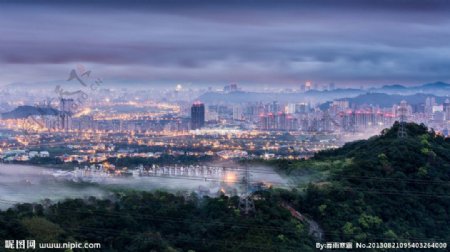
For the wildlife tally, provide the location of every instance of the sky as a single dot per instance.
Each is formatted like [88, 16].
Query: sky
[347, 42]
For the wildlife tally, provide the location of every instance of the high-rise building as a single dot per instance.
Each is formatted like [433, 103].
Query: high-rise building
[211, 114]
[85, 122]
[238, 113]
[429, 103]
[65, 113]
[277, 121]
[197, 115]
[273, 107]
[447, 109]
[290, 108]
[302, 108]
[308, 85]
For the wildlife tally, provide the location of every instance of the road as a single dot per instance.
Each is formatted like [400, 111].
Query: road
[314, 228]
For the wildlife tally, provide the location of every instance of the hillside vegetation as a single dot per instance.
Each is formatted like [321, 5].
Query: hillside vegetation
[384, 188]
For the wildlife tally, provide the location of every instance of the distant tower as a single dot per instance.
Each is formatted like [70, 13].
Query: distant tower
[237, 113]
[65, 113]
[429, 103]
[274, 107]
[308, 85]
[197, 115]
[246, 204]
[402, 113]
[446, 108]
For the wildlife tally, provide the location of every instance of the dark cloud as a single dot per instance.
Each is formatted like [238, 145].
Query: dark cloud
[416, 5]
[215, 41]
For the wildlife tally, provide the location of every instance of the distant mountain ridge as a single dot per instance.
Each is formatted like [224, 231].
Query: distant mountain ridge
[309, 96]
[393, 94]
[394, 86]
[387, 100]
[431, 88]
[26, 111]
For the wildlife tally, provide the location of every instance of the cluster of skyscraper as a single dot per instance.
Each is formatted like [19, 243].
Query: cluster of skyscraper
[339, 116]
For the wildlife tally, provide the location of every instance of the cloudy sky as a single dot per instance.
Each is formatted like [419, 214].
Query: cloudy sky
[215, 42]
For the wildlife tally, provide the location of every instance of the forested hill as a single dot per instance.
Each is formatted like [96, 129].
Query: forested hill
[389, 188]
[160, 221]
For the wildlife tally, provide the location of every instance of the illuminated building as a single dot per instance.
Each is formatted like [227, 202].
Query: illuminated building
[237, 113]
[65, 115]
[273, 107]
[277, 121]
[308, 85]
[447, 109]
[197, 115]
